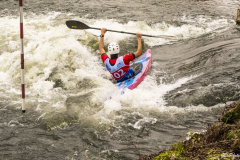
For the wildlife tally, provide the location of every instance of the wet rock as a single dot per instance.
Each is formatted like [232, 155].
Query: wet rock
[238, 17]
[230, 113]
[217, 142]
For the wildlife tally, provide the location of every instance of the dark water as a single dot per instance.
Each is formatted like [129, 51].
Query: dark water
[68, 116]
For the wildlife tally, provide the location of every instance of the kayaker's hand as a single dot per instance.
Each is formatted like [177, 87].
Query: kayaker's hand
[139, 35]
[103, 31]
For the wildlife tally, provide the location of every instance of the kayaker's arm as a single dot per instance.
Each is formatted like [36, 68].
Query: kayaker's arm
[101, 43]
[139, 50]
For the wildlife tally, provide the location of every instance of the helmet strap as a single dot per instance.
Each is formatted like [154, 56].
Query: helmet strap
[114, 56]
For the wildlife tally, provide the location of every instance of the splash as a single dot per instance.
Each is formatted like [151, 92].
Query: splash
[64, 72]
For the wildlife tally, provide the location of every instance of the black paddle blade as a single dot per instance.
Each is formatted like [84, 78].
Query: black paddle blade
[72, 24]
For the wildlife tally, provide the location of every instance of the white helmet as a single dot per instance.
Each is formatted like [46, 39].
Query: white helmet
[113, 48]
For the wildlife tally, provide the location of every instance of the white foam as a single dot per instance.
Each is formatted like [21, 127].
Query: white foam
[4, 77]
[43, 87]
[138, 124]
[199, 25]
[41, 116]
[147, 96]
[49, 45]
[13, 123]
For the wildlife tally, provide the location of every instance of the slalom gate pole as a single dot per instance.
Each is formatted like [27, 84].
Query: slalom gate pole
[22, 55]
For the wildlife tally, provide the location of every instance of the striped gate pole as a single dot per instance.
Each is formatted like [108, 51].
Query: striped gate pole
[22, 56]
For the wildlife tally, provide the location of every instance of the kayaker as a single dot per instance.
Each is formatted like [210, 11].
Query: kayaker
[119, 67]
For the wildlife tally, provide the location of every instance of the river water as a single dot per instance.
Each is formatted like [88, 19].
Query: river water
[68, 113]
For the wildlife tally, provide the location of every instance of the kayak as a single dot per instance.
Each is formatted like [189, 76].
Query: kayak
[141, 67]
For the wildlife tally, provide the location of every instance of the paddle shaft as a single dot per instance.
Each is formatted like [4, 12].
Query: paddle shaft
[73, 24]
[162, 36]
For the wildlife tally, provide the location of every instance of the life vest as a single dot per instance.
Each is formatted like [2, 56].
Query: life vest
[119, 71]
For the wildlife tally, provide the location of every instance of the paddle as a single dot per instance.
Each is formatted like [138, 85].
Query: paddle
[72, 24]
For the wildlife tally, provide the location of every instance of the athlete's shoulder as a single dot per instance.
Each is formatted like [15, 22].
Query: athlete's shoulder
[104, 57]
[128, 57]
